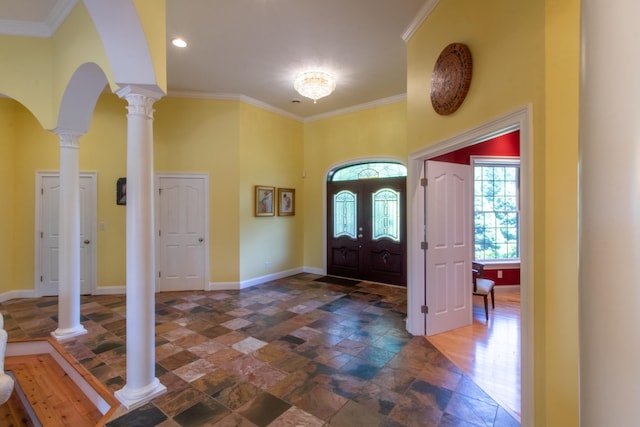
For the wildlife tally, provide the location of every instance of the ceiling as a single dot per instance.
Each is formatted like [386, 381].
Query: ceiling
[253, 49]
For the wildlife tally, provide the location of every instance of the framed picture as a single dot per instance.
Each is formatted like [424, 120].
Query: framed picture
[121, 191]
[264, 203]
[286, 201]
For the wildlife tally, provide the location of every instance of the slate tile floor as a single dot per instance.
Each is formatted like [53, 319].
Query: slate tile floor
[292, 352]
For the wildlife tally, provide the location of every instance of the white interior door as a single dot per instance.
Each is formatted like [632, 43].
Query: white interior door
[449, 225]
[182, 237]
[48, 202]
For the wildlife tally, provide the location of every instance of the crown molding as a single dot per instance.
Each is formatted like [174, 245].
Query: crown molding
[232, 97]
[423, 13]
[45, 29]
[359, 107]
[265, 106]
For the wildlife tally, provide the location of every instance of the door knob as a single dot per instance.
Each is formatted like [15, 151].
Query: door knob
[200, 240]
[86, 242]
[359, 236]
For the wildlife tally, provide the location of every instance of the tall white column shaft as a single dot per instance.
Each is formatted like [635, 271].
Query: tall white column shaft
[609, 213]
[69, 240]
[141, 385]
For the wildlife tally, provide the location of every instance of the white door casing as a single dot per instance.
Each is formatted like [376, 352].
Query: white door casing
[518, 119]
[46, 244]
[182, 232]
[449, 252]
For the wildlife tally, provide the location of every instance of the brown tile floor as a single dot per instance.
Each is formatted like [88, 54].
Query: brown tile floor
[292, 352]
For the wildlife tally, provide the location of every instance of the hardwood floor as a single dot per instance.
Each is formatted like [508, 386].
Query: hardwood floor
[55, 399]
[489, 352]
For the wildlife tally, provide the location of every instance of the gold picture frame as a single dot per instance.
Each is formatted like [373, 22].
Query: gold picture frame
[286, 201]
[264, 204]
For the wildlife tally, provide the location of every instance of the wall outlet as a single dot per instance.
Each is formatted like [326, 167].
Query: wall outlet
[266, 265]
[499, 274]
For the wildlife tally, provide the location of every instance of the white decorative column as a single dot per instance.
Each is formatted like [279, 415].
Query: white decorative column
[142, 385]
[609, 214]
[69, 240]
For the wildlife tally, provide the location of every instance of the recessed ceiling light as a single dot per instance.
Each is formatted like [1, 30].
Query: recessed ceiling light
[178, 42]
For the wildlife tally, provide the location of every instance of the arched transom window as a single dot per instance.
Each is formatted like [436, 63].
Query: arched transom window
[367, 171]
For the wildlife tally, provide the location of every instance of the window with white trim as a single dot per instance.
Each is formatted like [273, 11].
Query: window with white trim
[496, 205]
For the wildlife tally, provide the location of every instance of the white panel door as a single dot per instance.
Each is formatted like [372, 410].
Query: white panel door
[181, 233]
[48, 213]
[449, 227]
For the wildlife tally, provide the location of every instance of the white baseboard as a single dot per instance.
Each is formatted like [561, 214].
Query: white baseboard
[506, 288]
[314, 270]
[229, 286]
[6, 296]
[213, 286]
[110, 290]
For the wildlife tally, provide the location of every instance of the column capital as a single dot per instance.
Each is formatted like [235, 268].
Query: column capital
[140, 99]
[69, 139]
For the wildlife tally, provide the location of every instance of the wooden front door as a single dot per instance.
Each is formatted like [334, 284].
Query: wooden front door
[366, 230]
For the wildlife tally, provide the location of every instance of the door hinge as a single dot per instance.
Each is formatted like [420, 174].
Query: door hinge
[424, 245]
[424, 309]
[159, 191]
[159, 274]
[41, 234]
[424, 182]
[41, 191]
[159, 233]
[40, 278]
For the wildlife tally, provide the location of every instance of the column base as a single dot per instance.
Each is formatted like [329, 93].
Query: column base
[61, 334]
[132, 399]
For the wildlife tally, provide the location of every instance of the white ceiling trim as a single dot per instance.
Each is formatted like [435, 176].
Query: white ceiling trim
[260, 104]
[424, 12]
[46, 29]
[233, 97]
[360, 107]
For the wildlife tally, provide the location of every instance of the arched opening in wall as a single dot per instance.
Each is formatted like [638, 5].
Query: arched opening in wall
[366, 222]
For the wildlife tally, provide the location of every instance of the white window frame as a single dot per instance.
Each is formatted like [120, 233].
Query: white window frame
[492, 264]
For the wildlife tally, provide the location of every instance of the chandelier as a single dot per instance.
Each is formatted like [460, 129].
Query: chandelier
[314, 84]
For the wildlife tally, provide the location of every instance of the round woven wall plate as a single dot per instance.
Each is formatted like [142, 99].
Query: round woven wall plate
[451, 78]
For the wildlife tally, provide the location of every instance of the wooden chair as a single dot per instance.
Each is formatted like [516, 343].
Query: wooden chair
[483, 287]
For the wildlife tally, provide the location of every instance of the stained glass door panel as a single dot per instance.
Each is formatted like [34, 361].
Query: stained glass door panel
[366, 230]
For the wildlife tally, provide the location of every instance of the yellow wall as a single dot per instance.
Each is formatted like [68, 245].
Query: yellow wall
[7, 191]
[153, 19]
[506, 39]
[35, 149]
[104, 150]
[375, 133]
[201, 136]
[27, 77]
[40, 68]
[191, 136]
[270, 154]
[523, 54]
[76, 42]
[561, 212]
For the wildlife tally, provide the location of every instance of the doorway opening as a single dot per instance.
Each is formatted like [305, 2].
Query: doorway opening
[417, 237]
[484, 346]
[366, 222]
